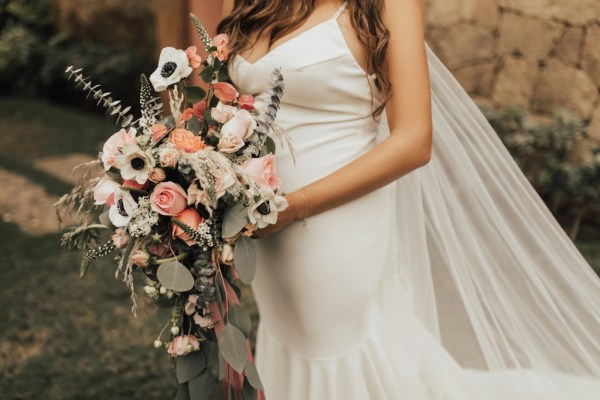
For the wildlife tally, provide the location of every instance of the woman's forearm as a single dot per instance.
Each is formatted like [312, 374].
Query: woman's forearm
[394, 157]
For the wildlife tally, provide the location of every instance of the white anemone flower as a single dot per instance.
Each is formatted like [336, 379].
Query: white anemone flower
[173, 66]
[135, 163]
[264, 212]
[120, 213]
[105, 188]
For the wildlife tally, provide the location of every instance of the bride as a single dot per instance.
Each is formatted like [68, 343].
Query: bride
[415, 260]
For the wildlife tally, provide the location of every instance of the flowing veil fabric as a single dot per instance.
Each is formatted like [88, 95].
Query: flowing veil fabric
[480, 260]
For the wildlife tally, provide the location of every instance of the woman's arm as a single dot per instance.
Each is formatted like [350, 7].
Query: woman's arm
[409, 117]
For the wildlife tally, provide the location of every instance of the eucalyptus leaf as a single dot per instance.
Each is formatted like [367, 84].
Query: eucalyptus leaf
[232, 345]
[252, 375]
[244, 259]
[222, 366]
[195, 94]
[248, 392]
[239, 317]
[219, 295]
[189, 366]
[175, 276]
[211, 352]
[202, 384]
[234, 220]
[193, 125]
[183, 392]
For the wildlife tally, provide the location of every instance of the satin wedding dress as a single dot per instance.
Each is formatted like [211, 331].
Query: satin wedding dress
[369, 301]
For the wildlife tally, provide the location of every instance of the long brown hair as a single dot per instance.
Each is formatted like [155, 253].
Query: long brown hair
[365, 16]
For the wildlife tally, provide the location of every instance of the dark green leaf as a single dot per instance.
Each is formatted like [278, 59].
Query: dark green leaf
[222, 366]
[239, 317]
[195, 94]
[232, 345]
[194, 125]
[188, 366]
[219, 294]
[183, 392]
[244, 258]
[252, 375]
[211, 352]
[223, 74]
[248, 392]
[202, 385]
[207, 74]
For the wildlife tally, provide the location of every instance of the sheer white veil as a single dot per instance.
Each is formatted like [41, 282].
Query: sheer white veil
[479, 258]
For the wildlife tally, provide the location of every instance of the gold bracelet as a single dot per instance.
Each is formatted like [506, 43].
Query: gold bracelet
[305, 209]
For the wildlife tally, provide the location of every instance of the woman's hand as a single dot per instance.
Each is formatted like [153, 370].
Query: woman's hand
[290, 214]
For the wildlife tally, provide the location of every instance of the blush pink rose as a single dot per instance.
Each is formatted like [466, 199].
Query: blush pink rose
[230, 143]
[191, 218]
[222, 112]
[168, 157]
[168, 198]
[241, 124]
[225, 92]
[221, 42]
[183, 344]
[246, 101]
[113, 145]
[193, 58]
[263, 170]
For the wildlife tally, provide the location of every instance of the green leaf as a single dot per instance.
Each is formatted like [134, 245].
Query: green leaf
[183, 392]
[222, 366]
[232, 345]
[219, 292]
[252, 375]
[211, 352]
[189, 366]
[202, 384]
[223, 74]
[239, 317]
[207, 74]
[234, 220]
[244, 258]
[248, 392]
[195, 94]
[175, 276]
[194, 125]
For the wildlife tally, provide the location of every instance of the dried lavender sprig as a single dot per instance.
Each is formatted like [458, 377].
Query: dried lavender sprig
[112, 106]
[94, 254]
[204, 36]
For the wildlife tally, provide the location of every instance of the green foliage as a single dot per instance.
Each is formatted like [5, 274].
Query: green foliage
[544, 152]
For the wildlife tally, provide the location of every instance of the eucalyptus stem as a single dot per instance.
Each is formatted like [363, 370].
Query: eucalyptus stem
[178, 257]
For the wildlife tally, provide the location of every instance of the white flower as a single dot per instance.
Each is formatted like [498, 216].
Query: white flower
[105, 188]
[135, 163]
[120, 213]
[264, 212]
[173, 66]
[157, 343]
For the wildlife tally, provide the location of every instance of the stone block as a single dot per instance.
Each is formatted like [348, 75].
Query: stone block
[526, 36]
[464, 44]
[476, 79]
[569, 46]
[514, 84]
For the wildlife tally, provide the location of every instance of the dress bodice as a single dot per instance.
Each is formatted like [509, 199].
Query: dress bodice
[326, 104]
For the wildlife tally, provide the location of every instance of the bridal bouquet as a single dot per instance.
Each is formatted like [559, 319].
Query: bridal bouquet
[179, 197]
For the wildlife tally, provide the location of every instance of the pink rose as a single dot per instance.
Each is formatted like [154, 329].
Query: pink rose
[140, 258]
[221, 42]
[222, 112]
[222, 182]
[157, 175]
[191, 218]
[198, 109]
[225, 92]
[246, 101]
[114, 143]
[168, 157]
[242, 124]
[263, 171]
[168, 198]
[182, 345]
[230, 143]
[193, 58]
[158, 131]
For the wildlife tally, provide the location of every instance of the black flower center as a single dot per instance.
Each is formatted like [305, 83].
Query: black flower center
[264, 208]
[137, 163]
[167, 69]
[121, 208]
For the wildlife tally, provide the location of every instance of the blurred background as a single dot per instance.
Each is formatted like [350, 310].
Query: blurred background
[533, 67]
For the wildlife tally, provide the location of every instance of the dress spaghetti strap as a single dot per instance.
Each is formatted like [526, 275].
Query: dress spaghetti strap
[337, 14]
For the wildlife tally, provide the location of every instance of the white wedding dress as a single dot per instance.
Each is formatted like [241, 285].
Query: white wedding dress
[329, 328]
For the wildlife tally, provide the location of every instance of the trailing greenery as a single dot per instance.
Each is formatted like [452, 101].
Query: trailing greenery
[544, 152]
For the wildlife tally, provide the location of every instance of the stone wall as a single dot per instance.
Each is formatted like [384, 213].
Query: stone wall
[542, 54]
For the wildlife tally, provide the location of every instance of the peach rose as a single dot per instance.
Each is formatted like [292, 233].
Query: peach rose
[191, 218]
[241, 124]
[225, 92]
[246, 101]
[140, 258]
[113, 145]
[222, 112]
[193, 58]
[168, 157]
[185, 116]
[168, 198]
[198, 109]
[158, 131]
[263, 171]
[221, 42]
[186, 140]
[230, 143]
[182, 345]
